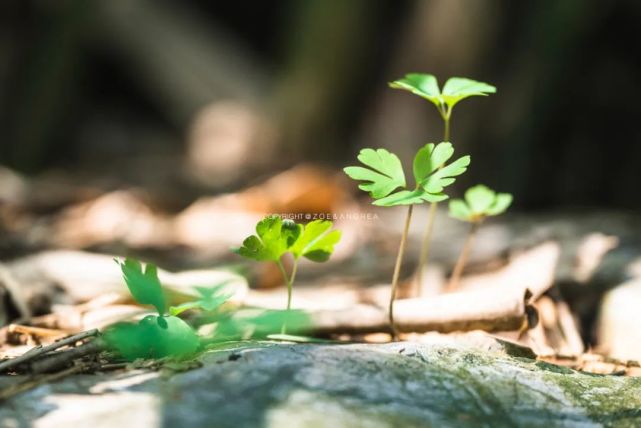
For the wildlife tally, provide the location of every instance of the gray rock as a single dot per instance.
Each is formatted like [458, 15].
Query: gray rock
[286, 385]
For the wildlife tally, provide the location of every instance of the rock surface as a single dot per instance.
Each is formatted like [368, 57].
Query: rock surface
[442, 384]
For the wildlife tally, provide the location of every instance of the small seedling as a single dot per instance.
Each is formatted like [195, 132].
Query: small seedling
[162, 335]
[480, 202]
[384, 179]
[276, 237]
[454, 90]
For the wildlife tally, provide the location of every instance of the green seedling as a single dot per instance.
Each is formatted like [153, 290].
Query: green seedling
[276, 237]
[210, 298]
[384, 179]
[454, 90]
[480, 202]
[162, 335]
[258, 324]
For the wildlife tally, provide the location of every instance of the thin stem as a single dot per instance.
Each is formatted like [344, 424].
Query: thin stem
[397, 271]
[446, 113]
[279, 263]
[425, 248]
[288, 281]
[290, 284]
[462, 260]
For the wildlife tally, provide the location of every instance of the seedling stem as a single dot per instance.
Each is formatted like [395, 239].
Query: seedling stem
[397, 271]
[289, 281]
[462, 260]
[427, 237]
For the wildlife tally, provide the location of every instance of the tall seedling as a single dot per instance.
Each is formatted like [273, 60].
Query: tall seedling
[454, 90]
[384, 178]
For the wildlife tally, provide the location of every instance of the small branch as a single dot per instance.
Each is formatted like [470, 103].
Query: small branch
[58, 360]
[40, 351]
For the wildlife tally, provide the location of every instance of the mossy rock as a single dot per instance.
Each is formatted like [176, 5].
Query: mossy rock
[392, 385]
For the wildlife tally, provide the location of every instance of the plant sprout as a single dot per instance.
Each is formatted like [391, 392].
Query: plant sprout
[384, 179]
[276, 237]
[480, 202]
[454, 90]
[162, 335]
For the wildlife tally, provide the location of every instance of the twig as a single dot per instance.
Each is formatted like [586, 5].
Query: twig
[57, 360]
[39, 351]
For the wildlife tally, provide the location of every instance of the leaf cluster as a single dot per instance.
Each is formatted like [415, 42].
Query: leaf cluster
[480, 201]
[454, 90]
[384, 175]
[275, 237]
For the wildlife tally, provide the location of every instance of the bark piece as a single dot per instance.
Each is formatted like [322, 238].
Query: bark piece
[488, 309]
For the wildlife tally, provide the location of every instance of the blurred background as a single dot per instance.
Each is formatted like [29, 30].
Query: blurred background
[199, 97]
[166, 129]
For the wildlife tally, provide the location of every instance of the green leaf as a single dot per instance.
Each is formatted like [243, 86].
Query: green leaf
[153, 337]
[480, 202]
[479, 198]
[274, 237]
[410, 197]
[316, 242]
[143, 285]
[423, 85]
[454, 90]
[501, 204]
[259, 323]
[429, 158]
[444, 176]
[210, 299]
[458, 209]
[384, 176]
[459, 88]
[431, 175]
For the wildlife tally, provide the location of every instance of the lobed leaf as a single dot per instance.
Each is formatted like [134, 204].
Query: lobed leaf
[143, 285]
[480, 202]
[316, 242]
[501, 204]
[430, 172]
[273, 238]
[423, 85]
[479, 198]
[459, 88]
[210, 299]
[430, 158]
[410, 197]
[454, 90]
[384, 176]
[443, 177]
[458, 209]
